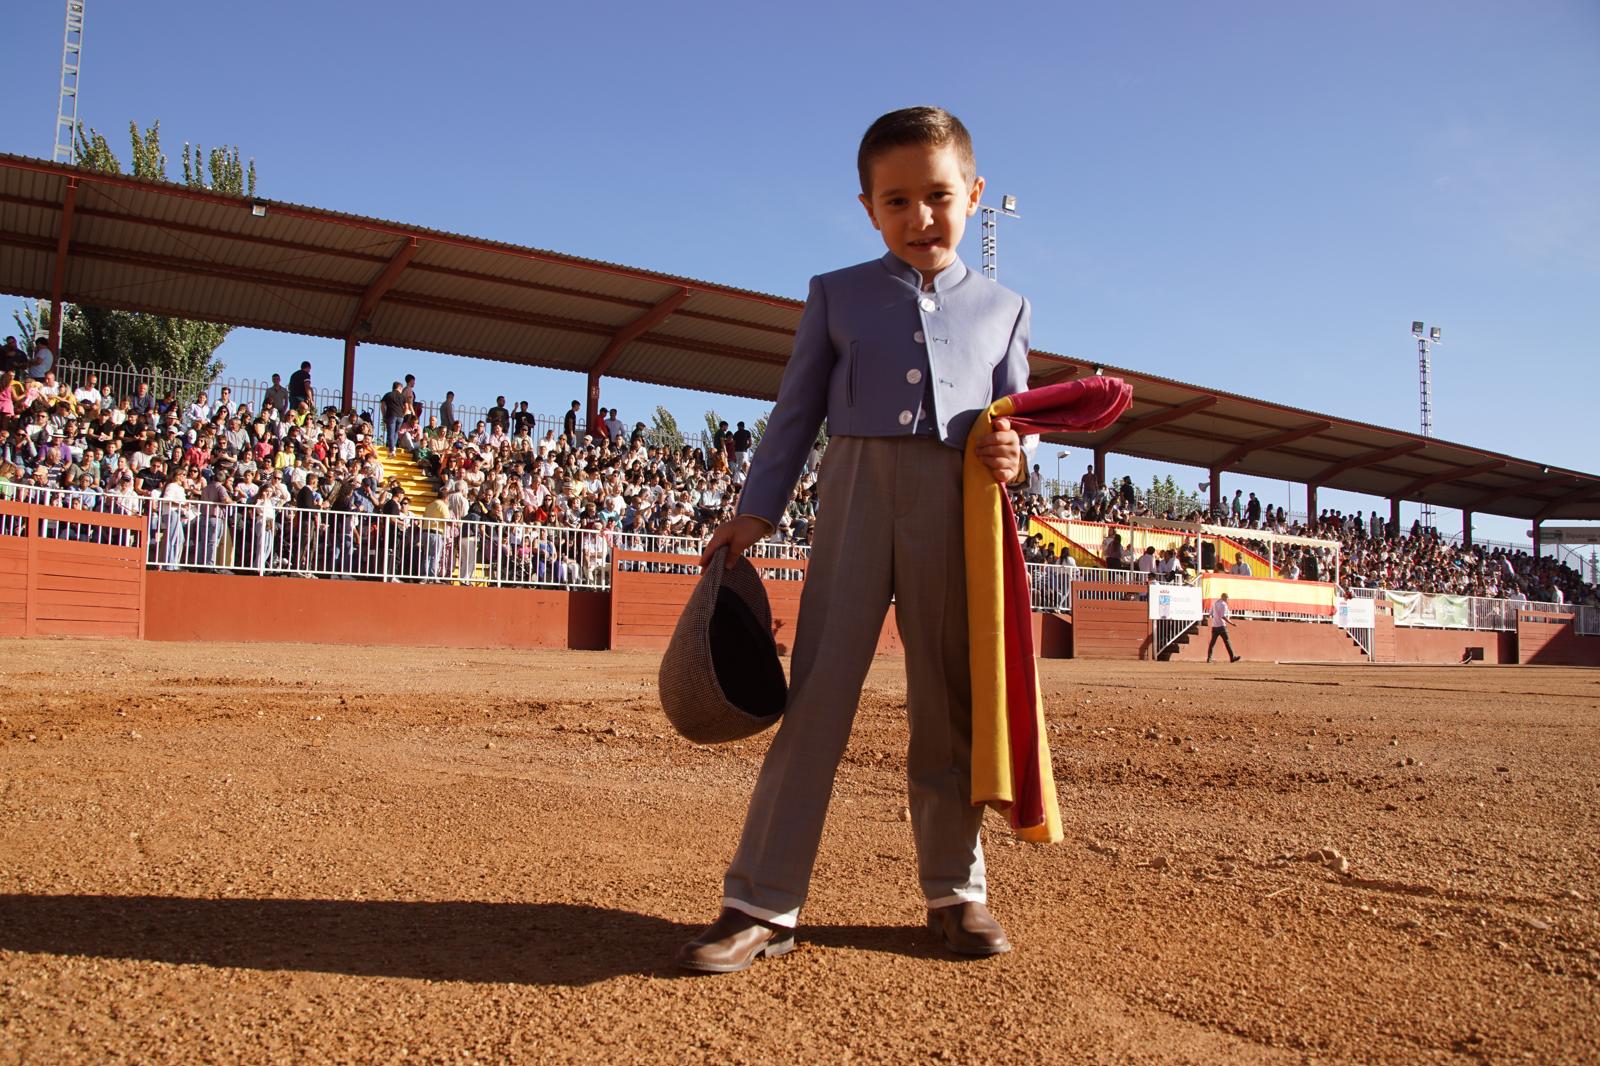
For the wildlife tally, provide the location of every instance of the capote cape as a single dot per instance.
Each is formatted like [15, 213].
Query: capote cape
[1011, 769]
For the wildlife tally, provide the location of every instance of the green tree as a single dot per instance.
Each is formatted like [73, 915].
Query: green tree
[1164, 495]
[161, 345]
[759, 430]
[664, 430]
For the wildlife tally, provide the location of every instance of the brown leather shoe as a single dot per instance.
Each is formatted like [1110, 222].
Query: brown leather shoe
[968, 929]
[733, 942]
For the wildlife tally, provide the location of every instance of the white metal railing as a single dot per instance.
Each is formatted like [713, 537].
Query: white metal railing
[120, 380]
[1168, 632]
[1050, 584]
[1445, 611]
[264, 537]
[691, 547]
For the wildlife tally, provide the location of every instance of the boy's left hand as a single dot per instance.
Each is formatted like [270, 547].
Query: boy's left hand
[1001, 451]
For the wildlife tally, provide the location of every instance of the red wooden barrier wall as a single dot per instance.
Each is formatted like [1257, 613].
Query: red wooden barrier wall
[1109, 621]
[1552, 639]
[645, 606]
[85, 585]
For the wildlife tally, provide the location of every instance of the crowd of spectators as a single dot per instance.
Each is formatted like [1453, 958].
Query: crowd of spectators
[189, 463]
[184, 459]
[1371, 554]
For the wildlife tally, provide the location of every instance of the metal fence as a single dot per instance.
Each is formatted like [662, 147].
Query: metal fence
[1445, 611]
[121, 381]
[263, 538]
[1050, 584]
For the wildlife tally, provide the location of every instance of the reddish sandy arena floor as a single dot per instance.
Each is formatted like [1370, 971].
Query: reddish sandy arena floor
[317, 854]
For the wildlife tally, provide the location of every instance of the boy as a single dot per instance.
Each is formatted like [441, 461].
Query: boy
[900, 354]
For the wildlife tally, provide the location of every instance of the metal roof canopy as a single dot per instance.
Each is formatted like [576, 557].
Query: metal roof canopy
[114, 241]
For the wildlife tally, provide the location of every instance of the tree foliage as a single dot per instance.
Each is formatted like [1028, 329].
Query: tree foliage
[664, 430]
[1166, 497]
[165, 347]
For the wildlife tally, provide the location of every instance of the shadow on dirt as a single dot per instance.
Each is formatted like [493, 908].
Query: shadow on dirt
[514, 943]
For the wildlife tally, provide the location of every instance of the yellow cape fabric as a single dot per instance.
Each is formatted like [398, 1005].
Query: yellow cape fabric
[993, 777]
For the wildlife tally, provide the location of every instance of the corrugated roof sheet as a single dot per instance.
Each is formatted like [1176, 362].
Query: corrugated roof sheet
[160, 247]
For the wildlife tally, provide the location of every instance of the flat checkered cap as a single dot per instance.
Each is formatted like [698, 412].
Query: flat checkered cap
[721, 678]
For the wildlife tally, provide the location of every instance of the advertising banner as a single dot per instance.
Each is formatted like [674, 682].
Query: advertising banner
[1429, 609]
[1358, 614]
[1180, 603]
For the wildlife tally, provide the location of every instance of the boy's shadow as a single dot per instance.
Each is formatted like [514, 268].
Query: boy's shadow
[523, 943]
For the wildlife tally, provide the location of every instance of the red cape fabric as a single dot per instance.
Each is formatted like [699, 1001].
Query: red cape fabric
[1081, 406]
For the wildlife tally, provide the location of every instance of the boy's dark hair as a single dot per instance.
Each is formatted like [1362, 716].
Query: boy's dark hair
[931, 126]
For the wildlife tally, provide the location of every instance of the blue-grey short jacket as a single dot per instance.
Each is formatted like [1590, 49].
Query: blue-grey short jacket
[867, 342]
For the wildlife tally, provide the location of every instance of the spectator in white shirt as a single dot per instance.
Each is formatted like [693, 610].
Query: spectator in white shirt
[1221, 619]
[89, 391]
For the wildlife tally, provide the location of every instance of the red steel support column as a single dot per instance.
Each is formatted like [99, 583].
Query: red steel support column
[59, 279]
[1216, 493]
[1538, 538]
[1466, 529]
[1394, 516]
[1100, 466]
[347, 401]
[593, 407]
[1311, 502]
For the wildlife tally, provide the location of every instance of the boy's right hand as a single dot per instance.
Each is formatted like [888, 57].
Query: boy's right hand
[738, 534]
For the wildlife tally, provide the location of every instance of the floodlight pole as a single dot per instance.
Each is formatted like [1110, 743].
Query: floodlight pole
[65, 141]
[989, 233]
[1425, 340]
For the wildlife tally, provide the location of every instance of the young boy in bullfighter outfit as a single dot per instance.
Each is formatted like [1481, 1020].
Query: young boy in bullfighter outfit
[899, 354]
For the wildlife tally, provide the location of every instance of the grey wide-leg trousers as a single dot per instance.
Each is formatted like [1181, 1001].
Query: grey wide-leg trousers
[888, 526]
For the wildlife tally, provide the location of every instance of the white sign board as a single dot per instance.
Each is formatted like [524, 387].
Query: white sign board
[1357, 614]
[1180, 603]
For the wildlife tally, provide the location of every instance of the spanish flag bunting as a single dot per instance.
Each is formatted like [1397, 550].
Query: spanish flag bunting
[1011, 769]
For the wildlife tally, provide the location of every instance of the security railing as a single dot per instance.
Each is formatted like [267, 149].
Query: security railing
[120, 381]
[1433, 610]
[691, 547]
[1050, 584]
[265, 538]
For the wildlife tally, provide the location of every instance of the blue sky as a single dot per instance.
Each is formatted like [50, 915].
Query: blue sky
[1256, 196]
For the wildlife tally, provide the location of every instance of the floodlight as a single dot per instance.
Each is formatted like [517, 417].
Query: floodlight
[1099, 370]
[258, 208]
[1008, 204]
[1544, 470]
[1433, 334]
[1062, 454]
[1416, 330]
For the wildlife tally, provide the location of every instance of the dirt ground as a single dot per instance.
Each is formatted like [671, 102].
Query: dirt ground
[293, 853]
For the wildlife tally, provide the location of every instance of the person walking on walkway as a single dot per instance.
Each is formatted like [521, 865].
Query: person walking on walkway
[1221, 615]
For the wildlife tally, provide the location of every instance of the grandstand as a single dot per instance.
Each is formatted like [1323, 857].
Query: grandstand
[470, 529]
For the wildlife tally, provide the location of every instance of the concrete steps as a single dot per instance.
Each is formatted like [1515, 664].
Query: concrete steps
[421, 488]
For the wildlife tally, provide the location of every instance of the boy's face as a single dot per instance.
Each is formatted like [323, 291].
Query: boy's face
[921, 203]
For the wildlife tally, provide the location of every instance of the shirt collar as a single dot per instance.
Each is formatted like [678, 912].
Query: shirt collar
[944, 281]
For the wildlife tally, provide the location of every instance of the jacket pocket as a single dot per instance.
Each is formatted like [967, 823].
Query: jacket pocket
[850, 375]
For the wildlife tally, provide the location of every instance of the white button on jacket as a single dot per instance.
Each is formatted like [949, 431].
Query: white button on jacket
[928, 304]
[913, 375]
[905, 418]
